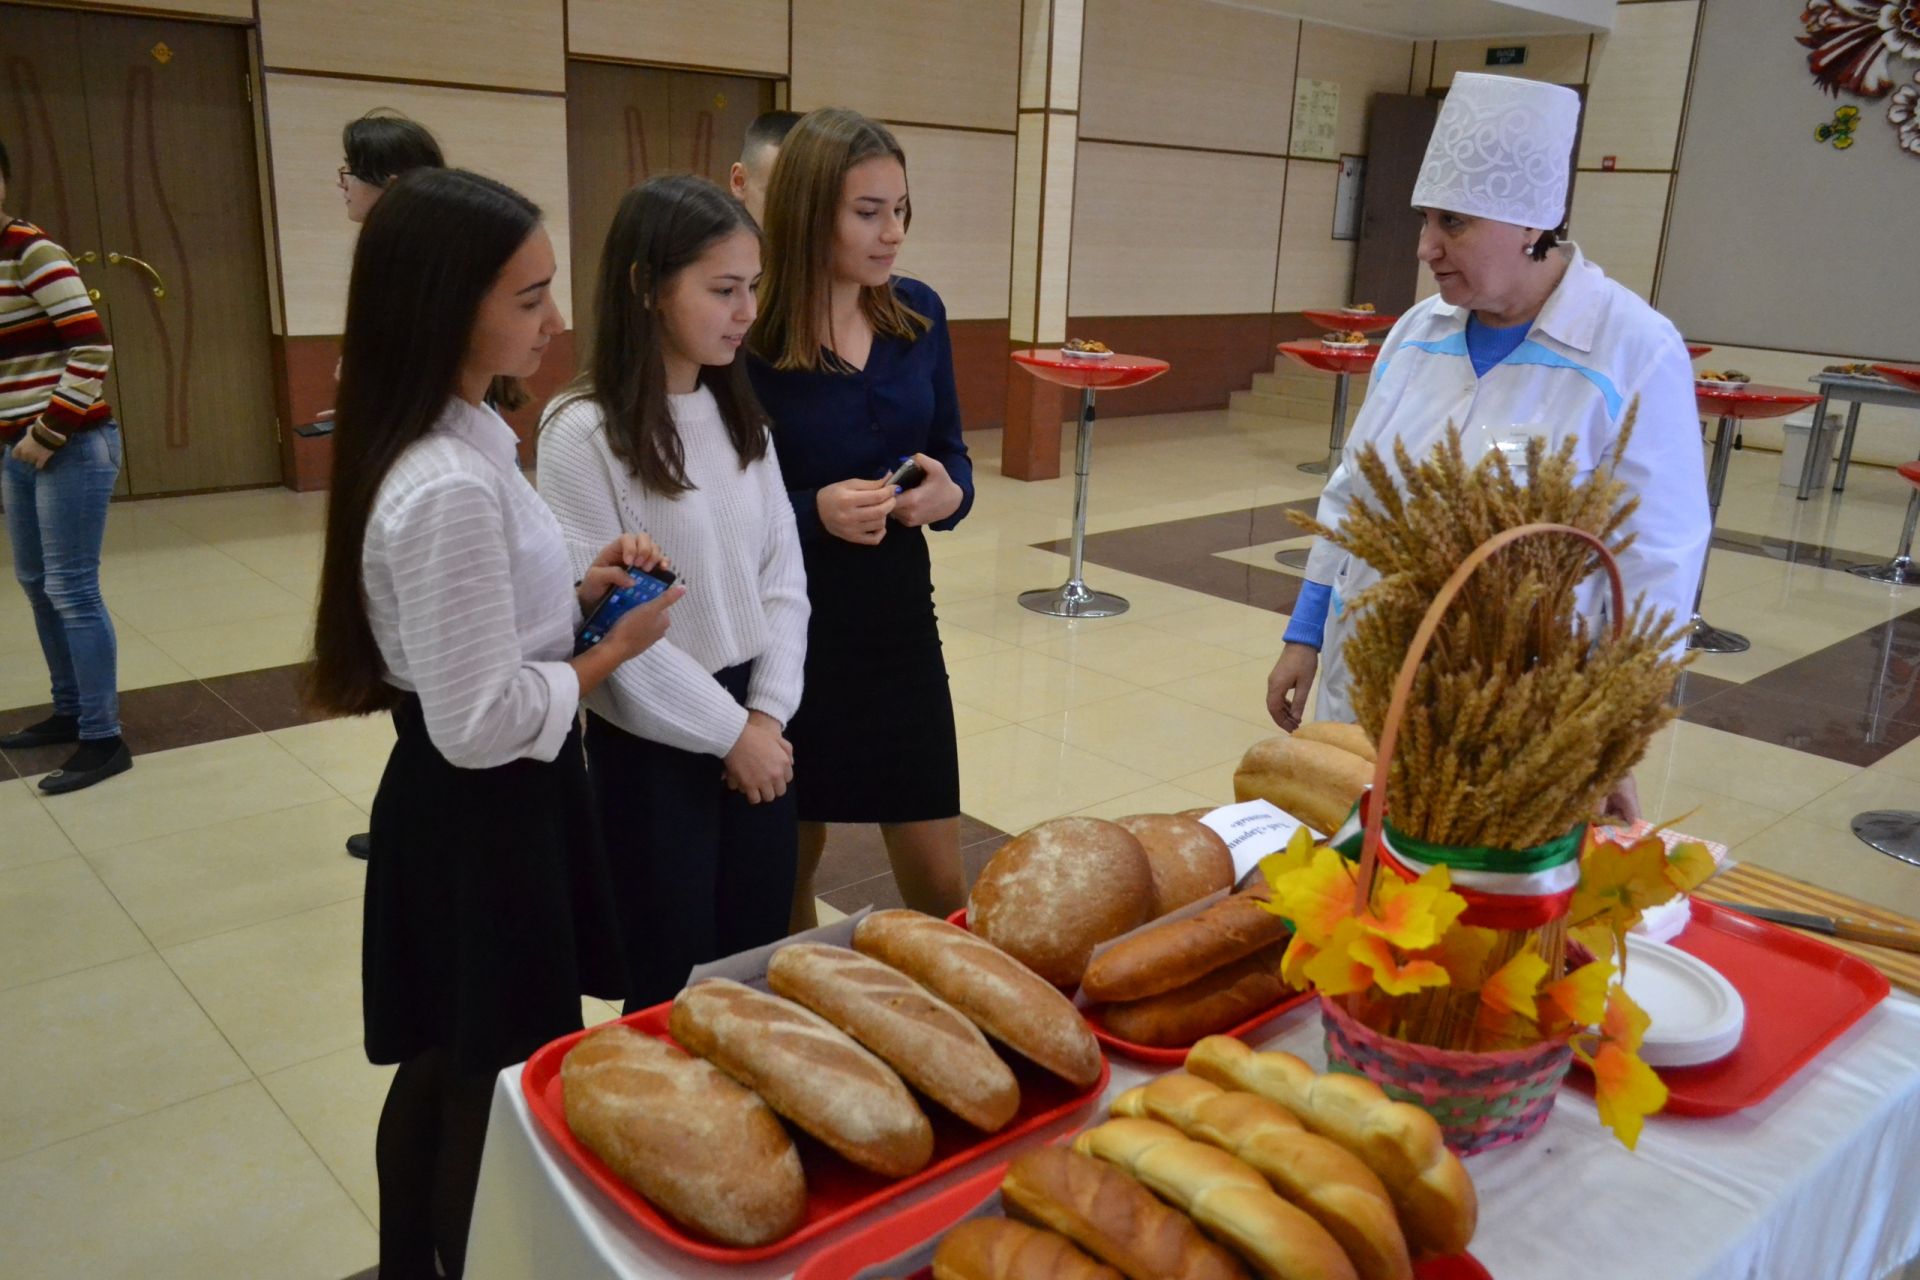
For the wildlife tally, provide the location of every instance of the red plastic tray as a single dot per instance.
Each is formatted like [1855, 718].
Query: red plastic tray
[1161, 1056]
[1800, 995]
[837, 1191]
[906, 1230]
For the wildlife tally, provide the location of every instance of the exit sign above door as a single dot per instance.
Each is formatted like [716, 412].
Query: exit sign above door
[1510, 55]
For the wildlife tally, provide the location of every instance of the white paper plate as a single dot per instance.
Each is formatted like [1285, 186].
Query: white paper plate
[1664, 922]
[1696, 1014]
[1715, 384]
[1086, 355]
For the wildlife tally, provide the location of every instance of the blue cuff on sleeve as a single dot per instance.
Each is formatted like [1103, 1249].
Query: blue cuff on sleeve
[1309, 622]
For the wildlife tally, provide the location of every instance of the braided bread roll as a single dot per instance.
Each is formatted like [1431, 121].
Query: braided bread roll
[1400, 1142]
[1224, 1196]
[1112, 1217]
[1322, 1177]
[996, 1249]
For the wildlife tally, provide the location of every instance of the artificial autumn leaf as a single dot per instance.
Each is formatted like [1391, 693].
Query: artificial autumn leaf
[1389, 973]
[1598, 937]
[1333, 971]
[1626, 1090]
[1580, 998]
[1318, 898]
[1617, 881]
[1623, 1023]
[1513, 988]
[1413, 916]
[1464, 953]
[1688, 867]
[1297, 856]
[1293, 963]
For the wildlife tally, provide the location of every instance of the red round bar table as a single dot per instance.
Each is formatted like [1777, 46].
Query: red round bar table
[1337, 318]
[1697, 349]
[1075, 599]
[1906, 375]
[1751, 400]
[1316, 355]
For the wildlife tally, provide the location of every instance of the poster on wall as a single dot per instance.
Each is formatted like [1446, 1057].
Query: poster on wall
[1316, 115]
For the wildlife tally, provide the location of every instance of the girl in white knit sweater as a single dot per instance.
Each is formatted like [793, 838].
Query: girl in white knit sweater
[662, 434]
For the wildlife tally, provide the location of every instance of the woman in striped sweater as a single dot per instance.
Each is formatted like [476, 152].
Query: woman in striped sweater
[686, 744]
[62, 460]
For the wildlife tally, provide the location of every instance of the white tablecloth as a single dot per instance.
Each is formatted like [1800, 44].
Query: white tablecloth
[1820, 1182]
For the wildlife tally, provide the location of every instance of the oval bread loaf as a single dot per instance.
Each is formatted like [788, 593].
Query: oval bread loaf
[1188, 858]
[1112, 1217]
[1173, 953]
[1313, 781]
[706, 1151]
[1213, 1002]
[929, 1042]
[997, 1249]
[1003, 997]
[1052, 894]
[1338, 733]
[809, 1071]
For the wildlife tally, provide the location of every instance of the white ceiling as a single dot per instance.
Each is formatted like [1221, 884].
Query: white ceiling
[1448, 19]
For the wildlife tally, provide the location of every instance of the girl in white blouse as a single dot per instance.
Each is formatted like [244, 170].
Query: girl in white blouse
[662, 434]
[447, 598]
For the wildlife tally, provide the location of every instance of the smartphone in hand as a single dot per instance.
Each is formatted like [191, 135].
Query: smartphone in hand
[908, 474]
[648, 584]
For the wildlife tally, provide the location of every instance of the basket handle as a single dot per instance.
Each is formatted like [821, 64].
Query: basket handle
[1375, 812]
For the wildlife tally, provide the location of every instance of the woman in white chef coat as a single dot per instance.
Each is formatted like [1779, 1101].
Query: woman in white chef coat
[1525, 338]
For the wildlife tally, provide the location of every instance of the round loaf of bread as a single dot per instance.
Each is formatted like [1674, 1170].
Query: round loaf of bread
[1188, 858]
[1048, 897]
[706, 1151]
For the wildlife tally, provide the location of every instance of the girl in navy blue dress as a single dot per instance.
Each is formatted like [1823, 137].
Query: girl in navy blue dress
[855, 368]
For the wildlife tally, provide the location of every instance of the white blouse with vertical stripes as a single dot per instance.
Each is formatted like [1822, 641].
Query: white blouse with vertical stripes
[470, 594]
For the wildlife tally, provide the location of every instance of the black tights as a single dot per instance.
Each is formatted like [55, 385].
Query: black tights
[428, 1155]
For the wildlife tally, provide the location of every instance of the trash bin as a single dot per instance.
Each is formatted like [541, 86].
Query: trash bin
[1793, 454]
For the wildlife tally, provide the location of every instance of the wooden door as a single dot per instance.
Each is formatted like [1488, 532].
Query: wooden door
[180, 243]
[626, 124]
[1386, 266]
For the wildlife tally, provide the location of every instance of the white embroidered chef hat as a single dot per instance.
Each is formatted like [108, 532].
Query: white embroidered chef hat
[1501, 149]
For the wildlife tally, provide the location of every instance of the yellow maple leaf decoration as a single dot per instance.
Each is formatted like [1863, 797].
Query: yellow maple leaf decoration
[1414, 915]
[1626, 1090]
[1333, 970]
[1391, 974]
[1318, 898]
[1515, 986]
[1580, 998]
[1293, 964]
[1620, 880]
[1297, 856]
[1689, 866]
[1624, 1022]
[1464, 953]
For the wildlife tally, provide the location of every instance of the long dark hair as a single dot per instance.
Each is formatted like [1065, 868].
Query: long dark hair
[661, 228]
[426, 258]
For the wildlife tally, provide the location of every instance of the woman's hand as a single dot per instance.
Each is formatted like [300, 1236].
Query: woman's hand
[760, 765]
[609, 568]
[934, 498]
[641, 627]
[1290, 683]
[856, 510]
[32, 452]
[1623, 802]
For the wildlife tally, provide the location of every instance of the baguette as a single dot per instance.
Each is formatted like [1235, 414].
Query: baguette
[1217, 1001]
[1188, 859]
[1173, 954]
[1401, 1143]
[1003, 997]
[1314, 782]
[809, 1071]
[929, 1042]
[1112, 1217]
[704, 1150]
[1331, 1183]
[1224, 1196]
[996, 1249]
[1336, 733]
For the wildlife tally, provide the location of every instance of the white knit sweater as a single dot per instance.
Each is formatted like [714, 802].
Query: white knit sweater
[732, 537]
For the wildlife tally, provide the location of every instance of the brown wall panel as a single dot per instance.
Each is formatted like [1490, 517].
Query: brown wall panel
[1211, 356]
[980, 369]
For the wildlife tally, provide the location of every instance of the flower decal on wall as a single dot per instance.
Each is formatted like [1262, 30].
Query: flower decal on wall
[1854, 46]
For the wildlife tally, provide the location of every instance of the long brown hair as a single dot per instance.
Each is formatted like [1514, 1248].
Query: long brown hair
[803, 210]
[426, 258]
[661, 228]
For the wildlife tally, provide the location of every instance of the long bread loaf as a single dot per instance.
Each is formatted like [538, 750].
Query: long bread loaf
[1398, 1141]
[1164, 956]
[997, 1249]
[1217, 1001]
[1112, 1217]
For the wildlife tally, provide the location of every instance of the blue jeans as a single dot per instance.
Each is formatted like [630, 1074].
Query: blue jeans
[56, 518]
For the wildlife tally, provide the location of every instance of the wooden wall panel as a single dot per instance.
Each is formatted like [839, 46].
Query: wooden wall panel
[1422, 79]
[1362, 65]
[1616, 221]
[518, 138]
[1027, 195]
[1188, 73]
[1166, 232]
[1639, 84]
[962, 187]
[1315, 269]
[509, 44]
[232, 10]
[728, 35]
[952, 62]
[1559, 59]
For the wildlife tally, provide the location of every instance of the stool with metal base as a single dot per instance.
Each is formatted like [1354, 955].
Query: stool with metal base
[1894, 832]
[1900, 571]
[1075, 599]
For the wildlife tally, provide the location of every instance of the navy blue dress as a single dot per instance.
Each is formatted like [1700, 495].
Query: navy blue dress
[873, 740]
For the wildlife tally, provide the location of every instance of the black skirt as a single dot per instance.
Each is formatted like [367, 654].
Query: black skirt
[488, 908]
[873, 740]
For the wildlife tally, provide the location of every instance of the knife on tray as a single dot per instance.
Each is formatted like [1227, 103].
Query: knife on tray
[1879, 935]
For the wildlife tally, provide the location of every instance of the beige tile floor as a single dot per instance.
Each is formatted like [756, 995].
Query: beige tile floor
[183, 1093]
